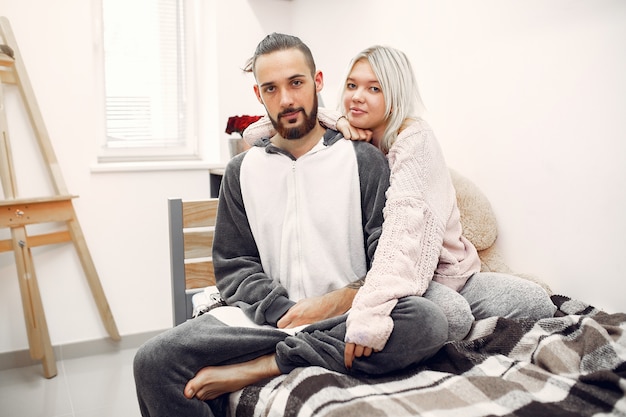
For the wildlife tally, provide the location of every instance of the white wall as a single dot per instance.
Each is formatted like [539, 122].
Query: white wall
[526, 98]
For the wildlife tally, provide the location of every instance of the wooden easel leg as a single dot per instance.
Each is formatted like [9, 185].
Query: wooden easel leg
[92, 278]
[36, 326]
[40, 211]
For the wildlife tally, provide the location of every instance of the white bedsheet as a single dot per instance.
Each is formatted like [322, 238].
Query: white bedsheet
[232, 316]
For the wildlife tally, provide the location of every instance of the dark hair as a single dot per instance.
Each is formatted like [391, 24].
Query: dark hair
[280, 42]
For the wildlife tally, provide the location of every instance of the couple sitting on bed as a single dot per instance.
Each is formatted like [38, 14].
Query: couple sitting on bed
[300, 219]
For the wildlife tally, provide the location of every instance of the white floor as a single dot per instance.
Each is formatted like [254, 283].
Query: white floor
[91, 386]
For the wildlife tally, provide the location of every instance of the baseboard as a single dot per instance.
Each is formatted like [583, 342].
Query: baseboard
[21, 358]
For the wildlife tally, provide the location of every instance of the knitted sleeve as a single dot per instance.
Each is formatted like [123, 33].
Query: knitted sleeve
[407, 255]
[263, 127]
[260, 129]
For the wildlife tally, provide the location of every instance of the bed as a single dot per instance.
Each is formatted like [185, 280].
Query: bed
[573, 364]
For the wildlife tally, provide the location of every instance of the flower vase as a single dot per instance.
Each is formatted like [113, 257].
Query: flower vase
[236, 145]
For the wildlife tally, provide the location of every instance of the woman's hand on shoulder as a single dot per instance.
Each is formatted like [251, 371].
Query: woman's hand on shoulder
[353, 133]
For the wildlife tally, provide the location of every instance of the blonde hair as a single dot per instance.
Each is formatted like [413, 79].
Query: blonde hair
[397, 80]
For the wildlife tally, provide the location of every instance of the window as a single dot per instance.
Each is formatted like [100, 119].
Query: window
[149, 81]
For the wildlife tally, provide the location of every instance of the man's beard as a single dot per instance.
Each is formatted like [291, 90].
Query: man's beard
[310, 120]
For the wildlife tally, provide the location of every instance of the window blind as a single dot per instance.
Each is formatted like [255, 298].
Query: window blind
[145, 77]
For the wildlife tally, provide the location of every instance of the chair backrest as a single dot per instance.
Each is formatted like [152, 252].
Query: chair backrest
[192, 224]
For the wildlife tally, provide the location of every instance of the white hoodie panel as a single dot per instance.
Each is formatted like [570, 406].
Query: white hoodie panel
[308, 211]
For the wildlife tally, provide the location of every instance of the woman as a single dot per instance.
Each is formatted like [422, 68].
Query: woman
[421, 250]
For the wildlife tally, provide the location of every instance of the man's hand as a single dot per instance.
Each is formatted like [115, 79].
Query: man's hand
[314, 309]
[353, 351]
[353, 133]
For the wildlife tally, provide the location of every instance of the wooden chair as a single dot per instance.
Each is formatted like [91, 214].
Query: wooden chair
[191, 224]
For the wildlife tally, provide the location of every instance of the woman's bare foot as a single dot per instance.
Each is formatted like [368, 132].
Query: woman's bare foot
[213, 381]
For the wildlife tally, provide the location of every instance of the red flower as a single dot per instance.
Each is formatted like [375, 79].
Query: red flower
[237, 124]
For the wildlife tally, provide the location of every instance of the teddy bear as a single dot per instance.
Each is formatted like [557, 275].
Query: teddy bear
[480, 227]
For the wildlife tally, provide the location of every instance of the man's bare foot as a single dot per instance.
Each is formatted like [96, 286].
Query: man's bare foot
[213, 381]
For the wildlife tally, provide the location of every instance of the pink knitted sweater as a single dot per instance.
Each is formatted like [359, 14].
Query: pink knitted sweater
[421, 238]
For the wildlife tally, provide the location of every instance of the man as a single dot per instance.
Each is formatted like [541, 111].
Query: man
[298, 222]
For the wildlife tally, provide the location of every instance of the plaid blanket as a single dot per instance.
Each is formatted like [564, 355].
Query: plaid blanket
[573, 364]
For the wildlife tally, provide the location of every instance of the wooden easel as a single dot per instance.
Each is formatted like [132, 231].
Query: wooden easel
[16, 213]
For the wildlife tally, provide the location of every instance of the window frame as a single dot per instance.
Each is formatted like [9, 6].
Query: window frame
[190, 149]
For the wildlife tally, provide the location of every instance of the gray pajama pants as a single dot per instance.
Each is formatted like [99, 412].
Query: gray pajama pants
[165, 364]
[489, 294]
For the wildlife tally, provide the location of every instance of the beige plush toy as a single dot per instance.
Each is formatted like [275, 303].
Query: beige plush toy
[480, 227]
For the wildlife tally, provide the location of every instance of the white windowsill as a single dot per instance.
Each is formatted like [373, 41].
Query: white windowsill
[154, 166]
